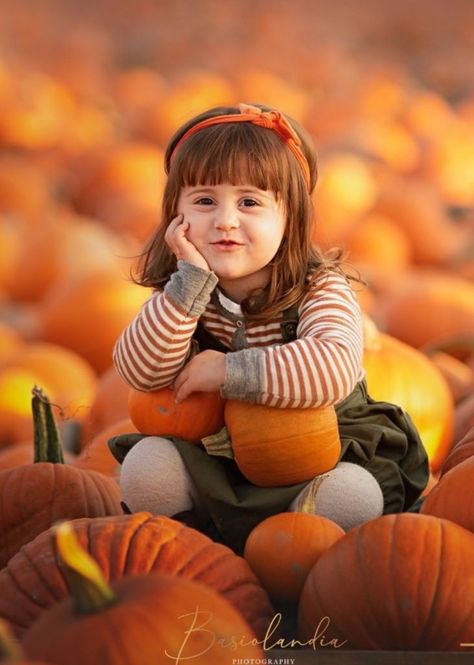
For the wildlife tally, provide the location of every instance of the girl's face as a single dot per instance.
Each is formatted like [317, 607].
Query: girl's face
[238, 229]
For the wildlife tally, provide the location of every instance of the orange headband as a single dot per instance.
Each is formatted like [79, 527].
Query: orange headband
[269, 119]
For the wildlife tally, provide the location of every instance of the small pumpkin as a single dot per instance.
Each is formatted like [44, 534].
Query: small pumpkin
[84, 628]
[403, 581]
[453, 496]
[156, 413]
[130, 545]
[34, 496]
[282, 549]
[276, 447]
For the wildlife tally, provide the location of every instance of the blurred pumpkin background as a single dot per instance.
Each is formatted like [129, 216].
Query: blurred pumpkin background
[90, 93]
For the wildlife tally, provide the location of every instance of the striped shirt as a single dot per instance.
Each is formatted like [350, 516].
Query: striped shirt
[320, 367]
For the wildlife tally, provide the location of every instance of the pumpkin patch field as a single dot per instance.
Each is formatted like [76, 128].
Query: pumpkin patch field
[90, 95]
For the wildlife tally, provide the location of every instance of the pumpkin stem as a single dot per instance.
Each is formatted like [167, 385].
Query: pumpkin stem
[10, 650]
[84, 579]
[219, 444]
[47, 443]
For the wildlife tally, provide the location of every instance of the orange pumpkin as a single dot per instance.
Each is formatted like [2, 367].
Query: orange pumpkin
[130, 545]
[34, 496]
[188, 95]
[453, 496]
[283, 548]
[11, 651]
[83, 629]
[109, 405]
[96, 454]
[346, 192]
[54, 251]
[463, 418]
[121, 184]
[23, 452]
[402, 375]
[25, 190]
[462, 450]
[10, 342]
[419, 210]
[15, 405]
[275, 447]
[459, 376]
[156, 413]
[70, 378]
[380, 248]
[402, 582]
[88, 313]
[429, 307]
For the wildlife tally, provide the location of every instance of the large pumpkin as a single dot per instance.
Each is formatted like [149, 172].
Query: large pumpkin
[69, 377]
[402, 581]
[87, 313]
[429, 307]
[109, 404]
[130, 545]
[35, 496]
[276, 447]
[156, 413]
[453, 496]
[11, 651]
[96, 453]
[402, 375]
[84, 628]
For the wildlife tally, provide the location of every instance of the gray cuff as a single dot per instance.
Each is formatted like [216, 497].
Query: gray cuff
[244, 375]
[190, 288]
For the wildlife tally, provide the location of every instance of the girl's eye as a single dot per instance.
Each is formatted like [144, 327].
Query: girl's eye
[249, 203]
[205, 200]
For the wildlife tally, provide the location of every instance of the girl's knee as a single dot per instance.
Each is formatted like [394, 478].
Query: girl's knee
[348, 494]
[154, 478]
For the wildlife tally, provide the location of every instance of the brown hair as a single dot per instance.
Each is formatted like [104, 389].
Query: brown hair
[242, 153]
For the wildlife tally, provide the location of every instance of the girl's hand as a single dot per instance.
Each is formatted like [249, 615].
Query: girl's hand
[203, 373]
[179, 244]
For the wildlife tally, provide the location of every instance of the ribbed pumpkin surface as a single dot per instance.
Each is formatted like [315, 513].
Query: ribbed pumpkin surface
[35, 496]
[401, 581]
[130, 545]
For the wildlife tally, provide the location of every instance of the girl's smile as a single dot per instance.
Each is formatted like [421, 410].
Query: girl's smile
[238, 229]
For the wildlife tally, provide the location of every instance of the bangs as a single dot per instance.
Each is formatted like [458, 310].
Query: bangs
[238, 154]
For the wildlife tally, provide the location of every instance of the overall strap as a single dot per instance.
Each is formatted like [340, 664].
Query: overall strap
[289, 324]
[203, 339]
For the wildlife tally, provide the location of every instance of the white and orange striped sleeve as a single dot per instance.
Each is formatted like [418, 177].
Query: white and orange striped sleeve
[155, 345]
[320, 367]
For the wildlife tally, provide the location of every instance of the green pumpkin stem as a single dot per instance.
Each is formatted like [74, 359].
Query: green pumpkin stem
[219, 444]
[10, 650]
[47, 442]
[84, 579]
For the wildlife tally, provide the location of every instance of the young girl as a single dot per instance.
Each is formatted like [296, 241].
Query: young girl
[244, 304]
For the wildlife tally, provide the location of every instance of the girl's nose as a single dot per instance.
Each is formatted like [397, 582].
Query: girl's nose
[227, 218]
